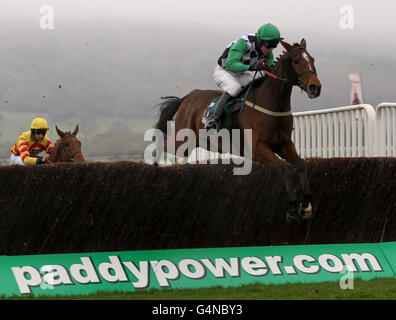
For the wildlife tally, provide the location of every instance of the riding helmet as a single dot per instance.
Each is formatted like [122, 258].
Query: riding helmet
[268, 32]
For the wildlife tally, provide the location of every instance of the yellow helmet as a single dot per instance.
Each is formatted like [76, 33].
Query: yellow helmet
[39, 123]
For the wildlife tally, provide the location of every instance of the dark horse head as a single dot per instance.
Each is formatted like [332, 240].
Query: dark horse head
[301, 68]
[67, 148]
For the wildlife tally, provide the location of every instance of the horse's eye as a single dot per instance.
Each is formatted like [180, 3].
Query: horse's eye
[296, 61]
[67, 144]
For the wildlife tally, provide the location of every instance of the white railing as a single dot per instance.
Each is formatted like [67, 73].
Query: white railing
[351, 131]
[386, 129]
[338, 132]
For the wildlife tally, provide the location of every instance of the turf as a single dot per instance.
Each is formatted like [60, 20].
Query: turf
[378, 289]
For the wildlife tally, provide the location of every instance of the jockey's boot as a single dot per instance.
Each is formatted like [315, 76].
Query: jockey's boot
[212, 121]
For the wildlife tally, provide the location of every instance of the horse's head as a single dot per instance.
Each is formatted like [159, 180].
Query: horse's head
[69, 146]
[303, 68]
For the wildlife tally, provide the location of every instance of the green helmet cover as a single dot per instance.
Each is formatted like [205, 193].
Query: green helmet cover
[268, 32]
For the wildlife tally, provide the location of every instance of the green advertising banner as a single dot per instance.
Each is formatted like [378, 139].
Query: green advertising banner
[72, 274]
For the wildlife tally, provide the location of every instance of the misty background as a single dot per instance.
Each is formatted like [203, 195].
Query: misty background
[106, 64]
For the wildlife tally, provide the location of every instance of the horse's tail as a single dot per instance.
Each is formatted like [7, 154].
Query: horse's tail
[168, 109]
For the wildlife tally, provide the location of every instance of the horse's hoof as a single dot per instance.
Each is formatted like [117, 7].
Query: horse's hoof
[305, 213]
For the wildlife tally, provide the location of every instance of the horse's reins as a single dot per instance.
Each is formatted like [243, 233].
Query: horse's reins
[246, 102]
[68, 157]
[276, 77]
[272, 75]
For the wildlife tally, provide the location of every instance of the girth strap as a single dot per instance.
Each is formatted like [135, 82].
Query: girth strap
[268, 112]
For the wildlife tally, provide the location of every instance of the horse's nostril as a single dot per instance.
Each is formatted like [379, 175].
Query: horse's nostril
[314, 88]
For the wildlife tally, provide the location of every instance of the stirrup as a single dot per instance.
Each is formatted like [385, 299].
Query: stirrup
[211, 125]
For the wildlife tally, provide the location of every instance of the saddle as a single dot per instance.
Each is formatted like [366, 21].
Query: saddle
[232, 106]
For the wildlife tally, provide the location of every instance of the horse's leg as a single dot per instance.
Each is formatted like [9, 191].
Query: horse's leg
[289, 153]
[265, 155]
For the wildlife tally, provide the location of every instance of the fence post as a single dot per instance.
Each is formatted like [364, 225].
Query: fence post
[386, 129]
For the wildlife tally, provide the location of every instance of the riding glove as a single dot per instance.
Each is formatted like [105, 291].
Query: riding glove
[258, 67]
[40, 160]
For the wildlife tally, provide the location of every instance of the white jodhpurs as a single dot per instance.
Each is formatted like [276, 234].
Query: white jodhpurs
[232, 82]
[17, 160]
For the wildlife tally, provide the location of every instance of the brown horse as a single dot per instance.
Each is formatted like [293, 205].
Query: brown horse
[267, 112]
[67, 148]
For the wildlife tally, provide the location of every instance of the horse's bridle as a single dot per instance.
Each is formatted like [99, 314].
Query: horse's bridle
[69, 158]
[299, 84]
[272, 75]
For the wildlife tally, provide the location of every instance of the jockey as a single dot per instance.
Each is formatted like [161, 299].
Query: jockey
[30, 143]
[241, 57]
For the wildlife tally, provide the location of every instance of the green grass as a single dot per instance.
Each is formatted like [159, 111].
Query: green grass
[378, 289]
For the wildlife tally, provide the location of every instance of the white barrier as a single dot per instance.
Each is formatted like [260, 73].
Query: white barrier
[338, 132]
[200, 154]
[351, 131]
[386, 129]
